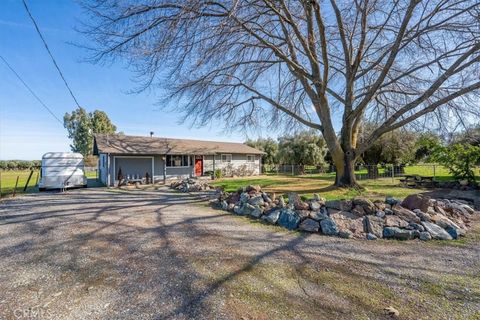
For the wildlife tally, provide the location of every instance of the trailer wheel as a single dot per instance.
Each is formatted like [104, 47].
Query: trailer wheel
[41, 189]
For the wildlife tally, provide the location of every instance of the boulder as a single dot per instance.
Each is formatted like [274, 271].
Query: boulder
[315, 205]
[254, 188]
[416, 226]
[272, 217]
[422, 215]
[303, 214]
[346, 234]
[436, 231]
[358, 211]
[389, 232]
[281, 202]
[247, 209]
[448, 224]
[391, 201]
[224, 205]
[233, 198]
[366, 204]
[380, 214]
[309, 225]
[405, 214]
[340, 205]
[318, 215]
[289, 219]
[231, 206]
[380, 205]
[256, 201]
[256, 213]
[295, 200]
[374, 225]
[400, 234]
[237, 209]
[328, 227]
[425, 236]
[244, 197]
[388, 211]
[417, 201]
[345, 220]
[395, 221]
[371, 236]
[266, 198]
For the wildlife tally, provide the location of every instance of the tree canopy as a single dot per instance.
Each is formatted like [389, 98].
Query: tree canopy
[81, 127]
[303, 148]
[291, 63]
[269, 146]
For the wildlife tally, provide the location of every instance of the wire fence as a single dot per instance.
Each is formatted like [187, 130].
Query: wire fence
[433, 172]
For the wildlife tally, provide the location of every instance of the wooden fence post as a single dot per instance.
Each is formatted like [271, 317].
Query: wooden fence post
[38, 175]
[16, 184]
[28, 180]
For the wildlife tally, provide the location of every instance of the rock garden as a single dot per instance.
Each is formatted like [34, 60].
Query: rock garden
[190, 185]
[416, 217]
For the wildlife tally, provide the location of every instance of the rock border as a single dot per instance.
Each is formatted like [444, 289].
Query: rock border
[416, 217]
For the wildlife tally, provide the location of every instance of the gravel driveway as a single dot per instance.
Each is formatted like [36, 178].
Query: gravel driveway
[158, 254]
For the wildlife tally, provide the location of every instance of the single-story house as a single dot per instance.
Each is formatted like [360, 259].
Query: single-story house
[161, 159]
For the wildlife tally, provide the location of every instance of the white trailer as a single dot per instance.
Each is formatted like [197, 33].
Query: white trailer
[61, 170]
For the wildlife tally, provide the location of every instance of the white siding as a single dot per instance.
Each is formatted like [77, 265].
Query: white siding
[238, 160]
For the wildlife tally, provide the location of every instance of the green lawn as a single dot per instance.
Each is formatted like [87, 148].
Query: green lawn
[8, 179]
[319, 183]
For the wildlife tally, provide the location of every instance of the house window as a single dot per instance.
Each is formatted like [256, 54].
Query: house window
[226, 158]
[250, 158]
[177, 161]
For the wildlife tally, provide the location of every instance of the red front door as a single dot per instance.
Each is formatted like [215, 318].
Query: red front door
[198, 165]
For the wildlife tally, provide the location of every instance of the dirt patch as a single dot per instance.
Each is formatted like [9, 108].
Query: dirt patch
[160, 254]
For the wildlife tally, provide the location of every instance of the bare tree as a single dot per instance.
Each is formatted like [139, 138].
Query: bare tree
[310, 63]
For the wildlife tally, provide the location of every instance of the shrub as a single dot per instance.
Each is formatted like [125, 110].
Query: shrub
[459, 159]
[218, 173]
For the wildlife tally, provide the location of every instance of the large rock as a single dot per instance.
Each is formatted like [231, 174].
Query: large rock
[340, 205]
[315, 205]
[366, 204]
[436, 231]
[295, 200]
[395, 221]
[425, 236]
[422, 215]
[417, 201]
[256, 201]
[345, 220]
[253, 188]
[247, 209]
[328, 227]
[391, 201]
[257, 212]
[309, 225]
[289, 219]
[400, 234]
[303, 214]
[318, 215]
[244, 197]
[272, 217]
[233, 198]
[389, 232]
[374, 225]
[405, 214]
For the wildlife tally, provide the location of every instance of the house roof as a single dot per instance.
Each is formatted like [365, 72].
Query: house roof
[123, 144]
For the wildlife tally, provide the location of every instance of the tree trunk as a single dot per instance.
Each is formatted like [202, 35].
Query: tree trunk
[345, 173]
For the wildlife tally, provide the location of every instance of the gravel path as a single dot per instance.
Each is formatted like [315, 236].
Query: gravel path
[158, 254]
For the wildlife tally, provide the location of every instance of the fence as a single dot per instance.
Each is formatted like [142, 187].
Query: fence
[365, 172]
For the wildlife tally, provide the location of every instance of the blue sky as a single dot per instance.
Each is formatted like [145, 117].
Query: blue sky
[27, 131]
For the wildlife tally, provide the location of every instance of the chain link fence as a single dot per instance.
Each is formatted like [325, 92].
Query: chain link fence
[364, 172]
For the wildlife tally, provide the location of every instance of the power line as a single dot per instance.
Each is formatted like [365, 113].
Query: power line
[50, 53]
[31, 91]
